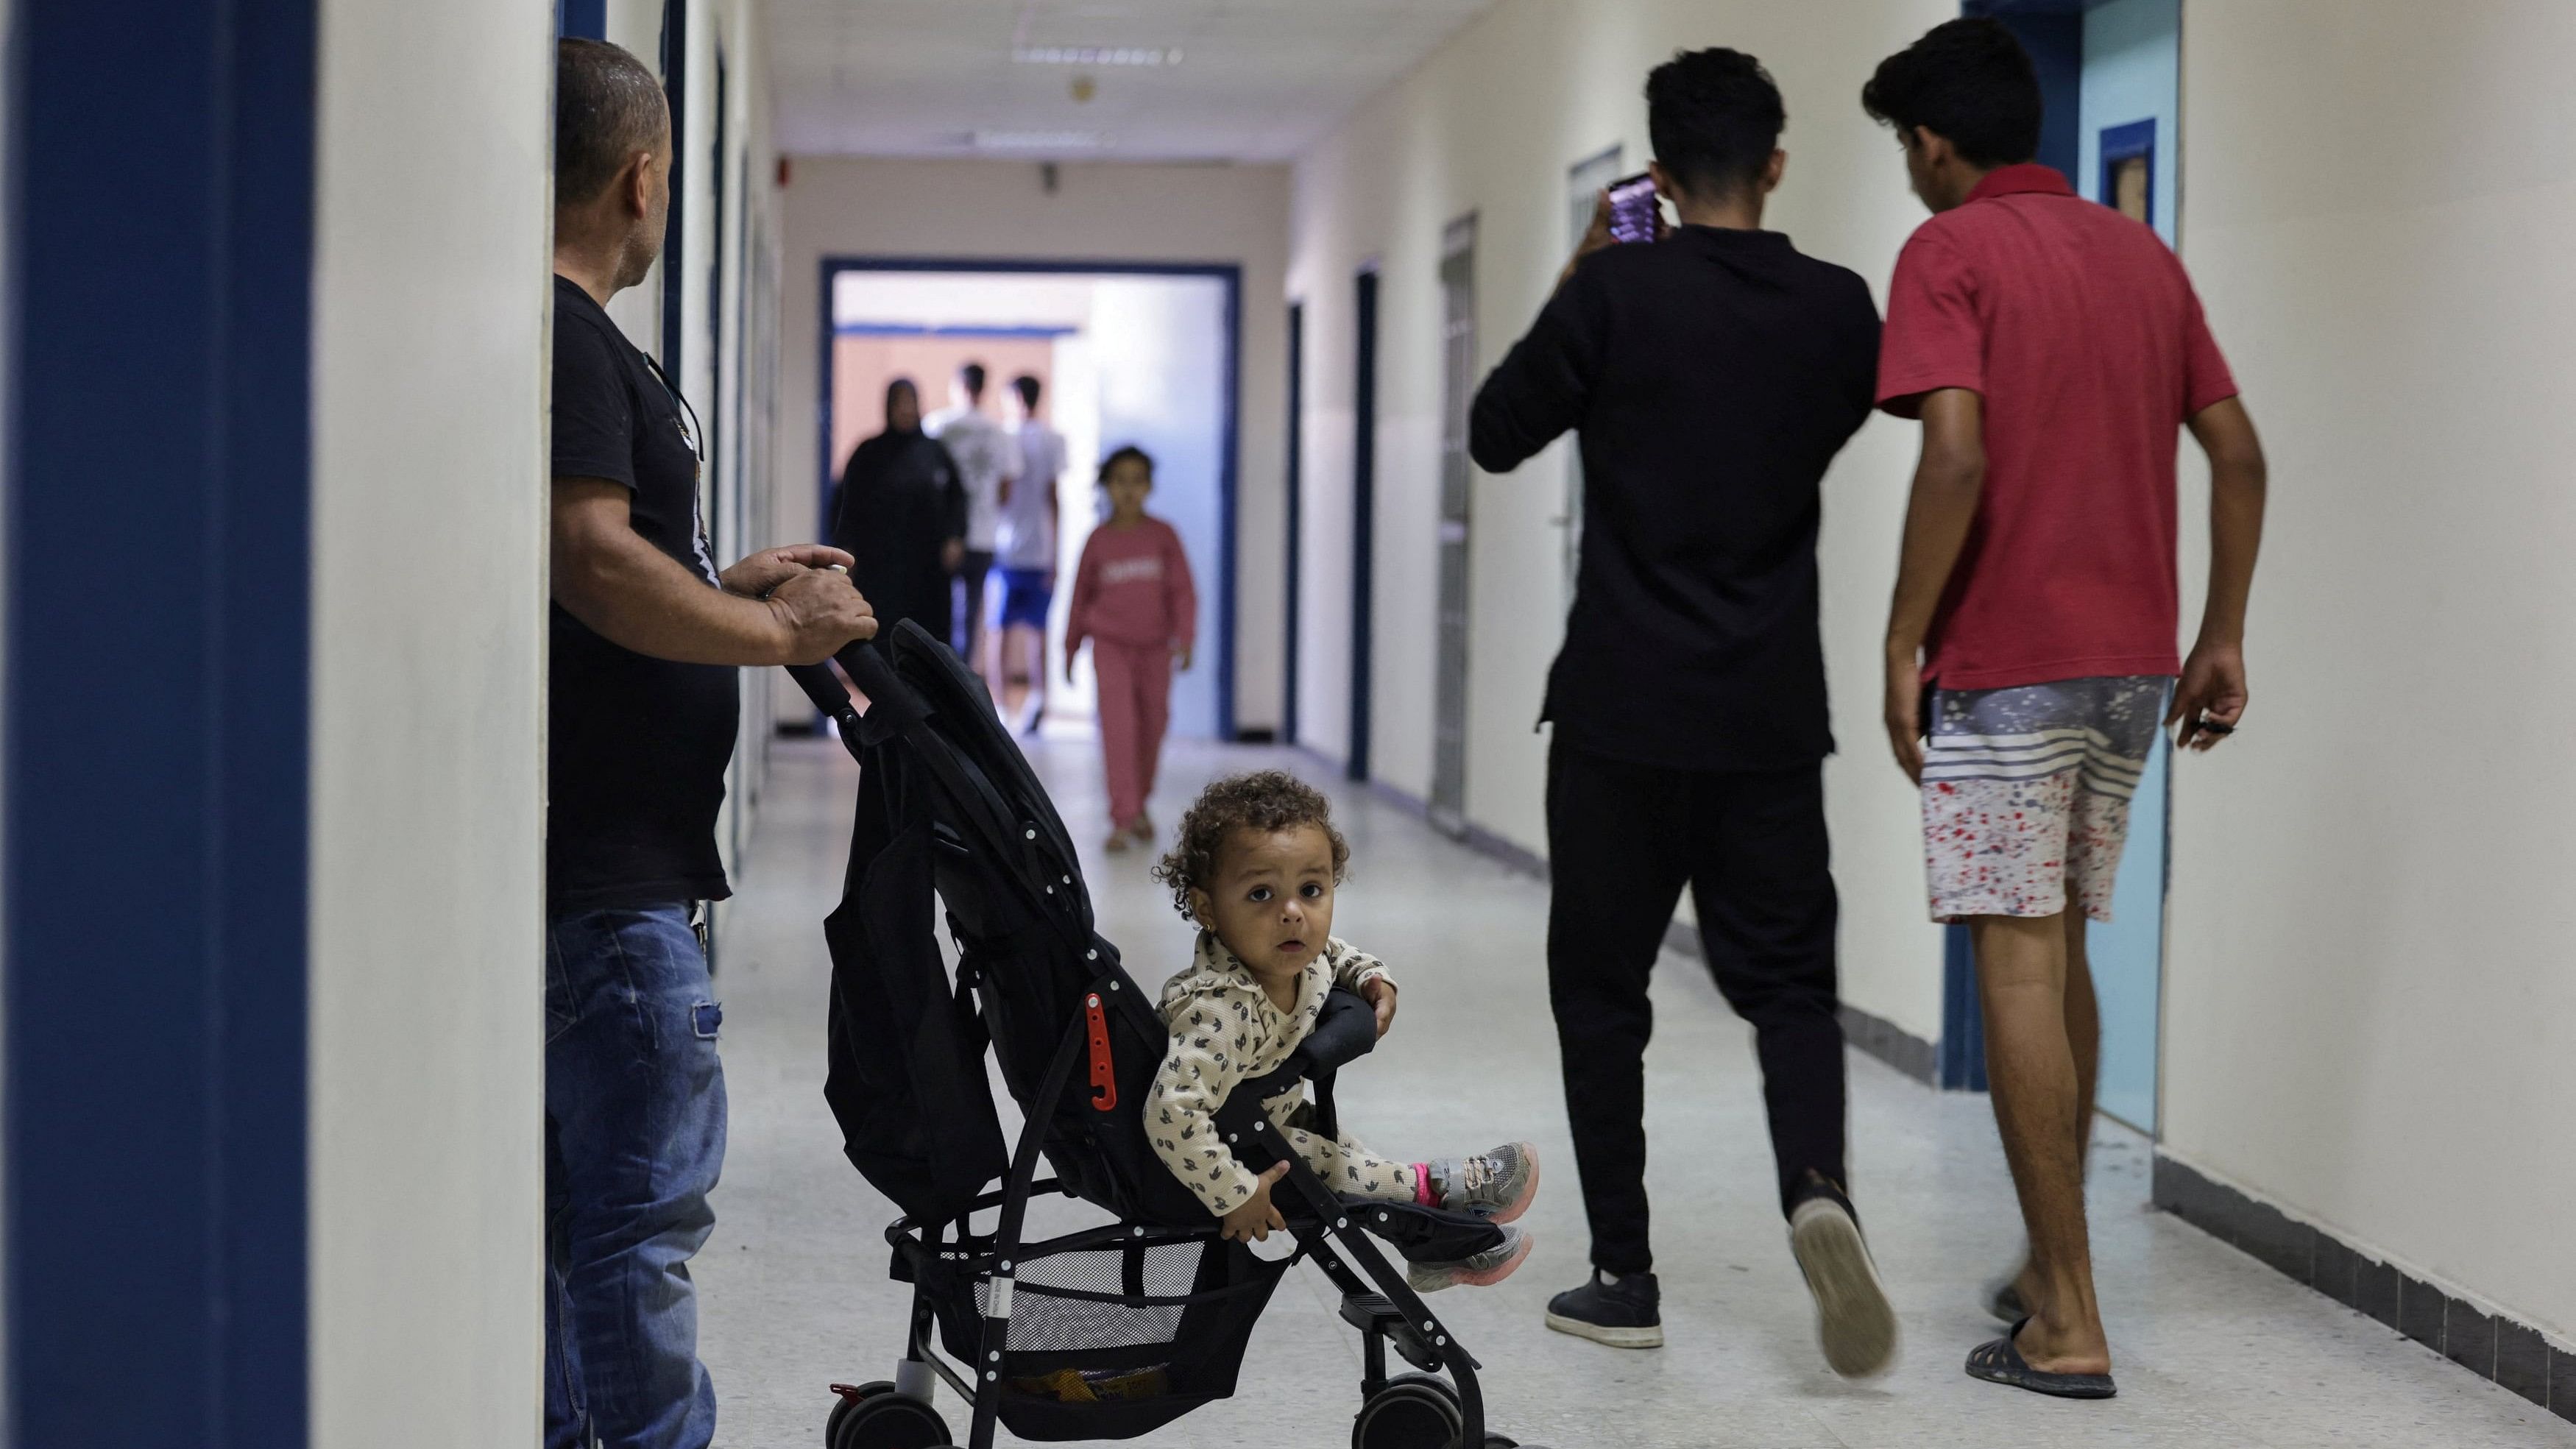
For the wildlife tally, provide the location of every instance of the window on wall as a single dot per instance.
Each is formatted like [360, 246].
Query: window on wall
[2128, 184]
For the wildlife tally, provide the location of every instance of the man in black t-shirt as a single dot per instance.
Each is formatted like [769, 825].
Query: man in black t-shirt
[1712, 374]
[647, 635]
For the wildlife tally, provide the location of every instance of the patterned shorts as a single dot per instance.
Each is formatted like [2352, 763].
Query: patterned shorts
[2026, 792]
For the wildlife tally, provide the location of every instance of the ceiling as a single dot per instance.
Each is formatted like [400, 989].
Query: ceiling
[1256, 80]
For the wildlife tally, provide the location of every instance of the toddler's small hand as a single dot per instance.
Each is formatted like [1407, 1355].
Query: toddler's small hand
[1252, 1220]
[1380, 993]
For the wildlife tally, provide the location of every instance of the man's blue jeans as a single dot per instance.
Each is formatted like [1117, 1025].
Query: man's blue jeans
[635, 1134]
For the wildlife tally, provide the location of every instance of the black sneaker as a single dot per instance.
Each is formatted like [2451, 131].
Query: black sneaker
[1625, 1314]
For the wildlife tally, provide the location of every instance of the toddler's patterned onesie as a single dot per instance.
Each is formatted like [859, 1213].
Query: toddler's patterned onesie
[1225, 1030]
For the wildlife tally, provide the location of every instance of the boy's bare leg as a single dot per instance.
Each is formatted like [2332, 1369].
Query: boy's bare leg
[2031, 1074]
[1035, 644]
[988, 658]
[2084, 1035]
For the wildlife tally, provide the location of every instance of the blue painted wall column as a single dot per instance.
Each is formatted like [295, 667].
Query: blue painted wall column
[157, 495]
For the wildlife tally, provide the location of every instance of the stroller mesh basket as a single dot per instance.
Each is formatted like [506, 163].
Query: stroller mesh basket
[1111, 1338]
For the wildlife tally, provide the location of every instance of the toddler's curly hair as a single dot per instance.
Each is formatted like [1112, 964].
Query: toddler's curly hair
[1264, 800]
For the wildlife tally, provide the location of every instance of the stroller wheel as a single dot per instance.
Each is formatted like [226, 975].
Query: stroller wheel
[1415, 1411]
[846, 1400]
[888, 1421]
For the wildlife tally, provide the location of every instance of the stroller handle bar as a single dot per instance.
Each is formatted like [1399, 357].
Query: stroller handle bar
[867, 667]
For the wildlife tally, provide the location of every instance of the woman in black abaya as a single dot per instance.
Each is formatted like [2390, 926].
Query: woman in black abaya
[902, 515]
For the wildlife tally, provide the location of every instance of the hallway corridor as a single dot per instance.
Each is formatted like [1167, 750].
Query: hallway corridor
[2213, 1349]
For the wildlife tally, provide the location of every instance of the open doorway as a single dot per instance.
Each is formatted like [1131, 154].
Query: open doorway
[2110, 72]
[1123, 354]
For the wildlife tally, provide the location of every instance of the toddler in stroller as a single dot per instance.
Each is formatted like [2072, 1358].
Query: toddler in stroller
[1257, 865]
[1109, 1330]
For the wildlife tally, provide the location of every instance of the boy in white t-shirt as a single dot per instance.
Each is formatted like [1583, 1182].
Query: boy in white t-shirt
[986, 459]
[1024, 550]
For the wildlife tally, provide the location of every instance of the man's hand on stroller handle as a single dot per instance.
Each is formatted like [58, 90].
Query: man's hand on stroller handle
[1380, 993]
[1254, 1217]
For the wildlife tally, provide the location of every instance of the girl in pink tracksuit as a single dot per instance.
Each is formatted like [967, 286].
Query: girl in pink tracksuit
[1133, 600]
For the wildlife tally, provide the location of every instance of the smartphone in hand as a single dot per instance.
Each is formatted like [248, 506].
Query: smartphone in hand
[1634, 208]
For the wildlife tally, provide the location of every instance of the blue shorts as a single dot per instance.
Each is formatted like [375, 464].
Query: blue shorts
[1026, 596]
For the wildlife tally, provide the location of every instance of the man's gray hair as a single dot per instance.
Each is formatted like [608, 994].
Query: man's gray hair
[608, 106]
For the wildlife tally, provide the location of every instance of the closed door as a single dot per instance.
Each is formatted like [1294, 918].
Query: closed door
[1457, 363]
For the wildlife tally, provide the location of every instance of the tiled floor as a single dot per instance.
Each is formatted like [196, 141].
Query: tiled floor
[2212, 1348]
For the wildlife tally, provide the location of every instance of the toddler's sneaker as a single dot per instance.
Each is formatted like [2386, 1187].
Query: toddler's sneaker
[1482, 1270]
[1623, 1312]
[1497, 1184]
[1854, 1323]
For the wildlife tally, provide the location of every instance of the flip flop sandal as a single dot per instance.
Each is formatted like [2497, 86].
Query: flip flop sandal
[2000, 1362]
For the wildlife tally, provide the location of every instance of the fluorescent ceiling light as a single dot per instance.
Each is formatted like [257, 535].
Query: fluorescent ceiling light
[1035, 140]
[1144, 55]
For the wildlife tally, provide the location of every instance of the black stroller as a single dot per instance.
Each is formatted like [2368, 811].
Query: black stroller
[1115, 1330]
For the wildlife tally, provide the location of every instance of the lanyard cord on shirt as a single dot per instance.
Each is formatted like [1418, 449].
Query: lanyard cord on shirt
[690, 432]
[691, 435]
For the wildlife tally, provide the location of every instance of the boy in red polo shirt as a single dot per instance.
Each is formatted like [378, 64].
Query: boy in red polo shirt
[2053, 350]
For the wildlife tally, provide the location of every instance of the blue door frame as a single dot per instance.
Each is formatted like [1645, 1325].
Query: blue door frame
[158, 329]
[1228, 273]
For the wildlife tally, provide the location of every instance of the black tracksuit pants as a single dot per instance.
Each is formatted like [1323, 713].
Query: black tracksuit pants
[1623, 839]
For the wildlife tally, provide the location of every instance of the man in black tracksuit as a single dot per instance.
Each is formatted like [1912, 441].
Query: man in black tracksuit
[1712, 375]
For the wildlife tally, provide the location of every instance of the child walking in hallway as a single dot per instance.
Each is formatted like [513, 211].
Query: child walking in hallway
[1133, 599]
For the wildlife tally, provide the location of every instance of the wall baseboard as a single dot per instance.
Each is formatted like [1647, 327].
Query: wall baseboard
[1892, 1044]
[1877, 1036]
[1520, 858]
[2513, 1354]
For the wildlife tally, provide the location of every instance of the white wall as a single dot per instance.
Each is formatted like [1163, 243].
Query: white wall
[2368, 1005]
[1102, 212]
[429, 386]
[1491, 124]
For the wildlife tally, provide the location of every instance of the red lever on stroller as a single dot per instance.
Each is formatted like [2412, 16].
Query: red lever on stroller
[1104, 1072]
